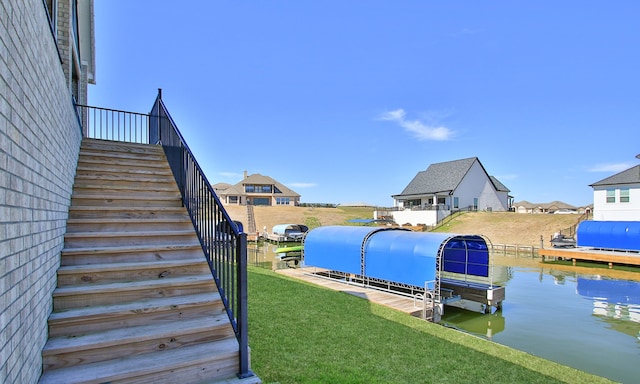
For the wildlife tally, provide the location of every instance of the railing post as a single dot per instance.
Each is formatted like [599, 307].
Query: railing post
[243, 313]
[155, 121]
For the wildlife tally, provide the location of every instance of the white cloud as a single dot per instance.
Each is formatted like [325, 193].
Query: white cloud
[419, 129]
[302, 185]
[610, 167]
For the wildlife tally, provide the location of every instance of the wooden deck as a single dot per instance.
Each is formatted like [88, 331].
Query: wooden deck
[590, 254]
[391, 300]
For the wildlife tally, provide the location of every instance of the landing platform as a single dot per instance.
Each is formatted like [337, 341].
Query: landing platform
[591, 254]
[395, 301]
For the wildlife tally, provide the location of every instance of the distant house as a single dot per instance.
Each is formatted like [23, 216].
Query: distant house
[617, 198]
[552, 207]
[449, 186]
[256, 189]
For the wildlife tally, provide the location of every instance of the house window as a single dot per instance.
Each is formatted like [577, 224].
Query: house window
[611, 195]
[233, 199]
[475, 203]
[261, 201]
[249, 188]
[624, 195]
[412, 203]
[455, 202]
[52, 10]
[265, 189]
[282, 201]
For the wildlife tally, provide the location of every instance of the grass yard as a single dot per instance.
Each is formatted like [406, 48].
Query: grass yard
[302, 333]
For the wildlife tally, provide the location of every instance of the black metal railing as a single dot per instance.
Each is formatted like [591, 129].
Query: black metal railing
[115, 125]
[224, 245]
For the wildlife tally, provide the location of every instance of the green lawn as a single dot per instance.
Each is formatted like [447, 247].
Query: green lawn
[302, 333]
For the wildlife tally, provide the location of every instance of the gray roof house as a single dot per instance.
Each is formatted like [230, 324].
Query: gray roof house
[455, 184]
[449, 186]
[256, 189]
[617, 197]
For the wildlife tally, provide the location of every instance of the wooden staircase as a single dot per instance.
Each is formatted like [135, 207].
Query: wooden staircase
[135, 300]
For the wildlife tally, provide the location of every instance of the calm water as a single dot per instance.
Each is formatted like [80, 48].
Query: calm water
[585, 321]
[588, 322]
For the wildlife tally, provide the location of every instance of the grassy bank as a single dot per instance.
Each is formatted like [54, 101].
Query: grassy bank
[301, 333]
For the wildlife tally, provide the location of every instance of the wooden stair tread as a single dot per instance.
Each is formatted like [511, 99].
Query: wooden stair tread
[127, 171]
[124, 234]
[94, 268]
[116, 208]
[119, 146]
[169, 187]
[125, 196]
[131, 286]
[140, 365]
[99, 158]
[128, 249]
[130, 220]
[104, 339]
[113, 310]
[119, 176]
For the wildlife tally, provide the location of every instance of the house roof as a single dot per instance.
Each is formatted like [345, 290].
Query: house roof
[554, 204]
[630, 176]
[258, 179]
[498, 185]
[445, 177]
[220, 186]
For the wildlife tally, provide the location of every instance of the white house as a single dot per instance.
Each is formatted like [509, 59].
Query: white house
[446, 187]
[617, 198]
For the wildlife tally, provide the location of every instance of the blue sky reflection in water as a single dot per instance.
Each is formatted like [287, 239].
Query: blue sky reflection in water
[554, 314]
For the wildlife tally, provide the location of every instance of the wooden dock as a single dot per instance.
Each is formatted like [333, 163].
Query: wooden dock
[591, 254]
[391, 300]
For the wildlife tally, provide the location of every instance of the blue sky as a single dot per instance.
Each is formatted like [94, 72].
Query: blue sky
[345, 101]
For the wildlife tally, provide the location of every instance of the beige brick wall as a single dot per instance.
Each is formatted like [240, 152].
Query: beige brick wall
[39, 145]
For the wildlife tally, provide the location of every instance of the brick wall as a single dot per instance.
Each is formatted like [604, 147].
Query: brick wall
[39, 145]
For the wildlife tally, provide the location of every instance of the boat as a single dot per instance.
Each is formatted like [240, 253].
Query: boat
[288, 232]
[290, 253]
[295, 248]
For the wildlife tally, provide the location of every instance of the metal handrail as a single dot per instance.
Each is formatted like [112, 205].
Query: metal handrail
[224, 245]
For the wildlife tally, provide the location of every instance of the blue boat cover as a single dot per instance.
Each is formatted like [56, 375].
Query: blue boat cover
[403, 256]
[394, 254]
[622, 235]
[335, 247]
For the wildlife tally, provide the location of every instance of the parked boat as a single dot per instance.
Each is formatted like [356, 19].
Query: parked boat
[287, 232]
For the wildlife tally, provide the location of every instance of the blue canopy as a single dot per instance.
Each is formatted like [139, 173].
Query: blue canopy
[395, 254]
[403, 256]
[623, 235]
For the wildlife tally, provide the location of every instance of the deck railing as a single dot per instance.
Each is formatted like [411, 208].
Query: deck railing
[224, 245]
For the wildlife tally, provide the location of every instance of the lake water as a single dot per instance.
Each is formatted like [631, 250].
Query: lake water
[584, 320]
[580, 319]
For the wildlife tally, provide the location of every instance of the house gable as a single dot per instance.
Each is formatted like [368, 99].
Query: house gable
[617, 197]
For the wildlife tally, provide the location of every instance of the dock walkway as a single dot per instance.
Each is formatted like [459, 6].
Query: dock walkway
[391, 300]
[591, 254]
